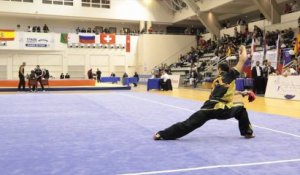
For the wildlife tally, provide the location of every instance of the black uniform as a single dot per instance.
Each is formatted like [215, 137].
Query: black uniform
[21, 78]
[219, 106]
[39, 74]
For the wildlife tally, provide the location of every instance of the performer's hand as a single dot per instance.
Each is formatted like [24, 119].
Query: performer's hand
[243, 53]
[251, 96]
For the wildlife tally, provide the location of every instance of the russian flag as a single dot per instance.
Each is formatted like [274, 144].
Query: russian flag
[87, 38]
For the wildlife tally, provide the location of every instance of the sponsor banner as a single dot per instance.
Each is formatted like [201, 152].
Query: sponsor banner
[257, 56]
[272, 56]
[175, 79]
[35, 40]
[281, 87]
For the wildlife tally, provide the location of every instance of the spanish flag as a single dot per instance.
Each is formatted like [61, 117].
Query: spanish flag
[7, 35]
[297, 44]
[228, 53]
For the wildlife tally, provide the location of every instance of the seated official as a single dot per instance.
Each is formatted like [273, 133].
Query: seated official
[136, 75]
[62, 76]
[112, 74]
[165, 82]
[32, 81]
[90, 74]
[67, 76]
[194, 77]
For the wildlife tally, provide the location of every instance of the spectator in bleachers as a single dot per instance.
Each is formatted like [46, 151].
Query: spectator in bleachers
[77, 30]
[287, 8]
[45, 29]
[294, 6]
[193, 78]
[67, 76]
[38, 29]
[62, 76]
[29, 29]
[89, 30]
[83, 30]
[257, 78]
[241, 22]
[295, 67]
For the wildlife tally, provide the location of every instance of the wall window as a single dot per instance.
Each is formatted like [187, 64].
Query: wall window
[96, 3]
[59, 2]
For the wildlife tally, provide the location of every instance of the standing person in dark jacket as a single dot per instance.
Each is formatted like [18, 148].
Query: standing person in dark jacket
[98, 74]
[257, 75]
[22, 77]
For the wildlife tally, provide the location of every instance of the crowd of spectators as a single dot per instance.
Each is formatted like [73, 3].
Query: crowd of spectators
[38, 29]
[291, 7]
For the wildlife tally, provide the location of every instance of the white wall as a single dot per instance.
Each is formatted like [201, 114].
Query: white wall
[146, 51]
[261, 24]
[129, 10]
[230, 31]
[61, 25]
[157, 49]
[57, 57]
[290, 17]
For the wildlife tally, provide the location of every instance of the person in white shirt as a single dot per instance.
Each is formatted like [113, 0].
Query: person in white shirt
[257, 78]
[165, 76]
[163, 82]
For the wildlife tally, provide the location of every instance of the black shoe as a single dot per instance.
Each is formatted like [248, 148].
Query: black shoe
[157, 137]
[249, 136]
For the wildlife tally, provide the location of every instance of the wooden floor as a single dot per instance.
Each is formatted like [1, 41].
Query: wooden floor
[261, 104]
[286, 108]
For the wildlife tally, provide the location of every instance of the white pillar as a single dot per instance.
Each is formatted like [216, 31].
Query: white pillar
[149, 24]
[142, 26]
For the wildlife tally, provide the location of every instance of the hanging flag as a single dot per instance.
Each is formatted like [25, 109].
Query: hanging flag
[278, 55]
[252, 46]
[64, 38]
[228, 53]
[7, 35]
[297, 45]
[265, 46]
[87, 38]
[107, 38]
[73, 38]
[127, 43]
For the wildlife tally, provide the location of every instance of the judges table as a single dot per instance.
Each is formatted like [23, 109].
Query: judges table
[110, 79]
[243, 83]
[239, 84]
[128, 80]
[153, 83]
